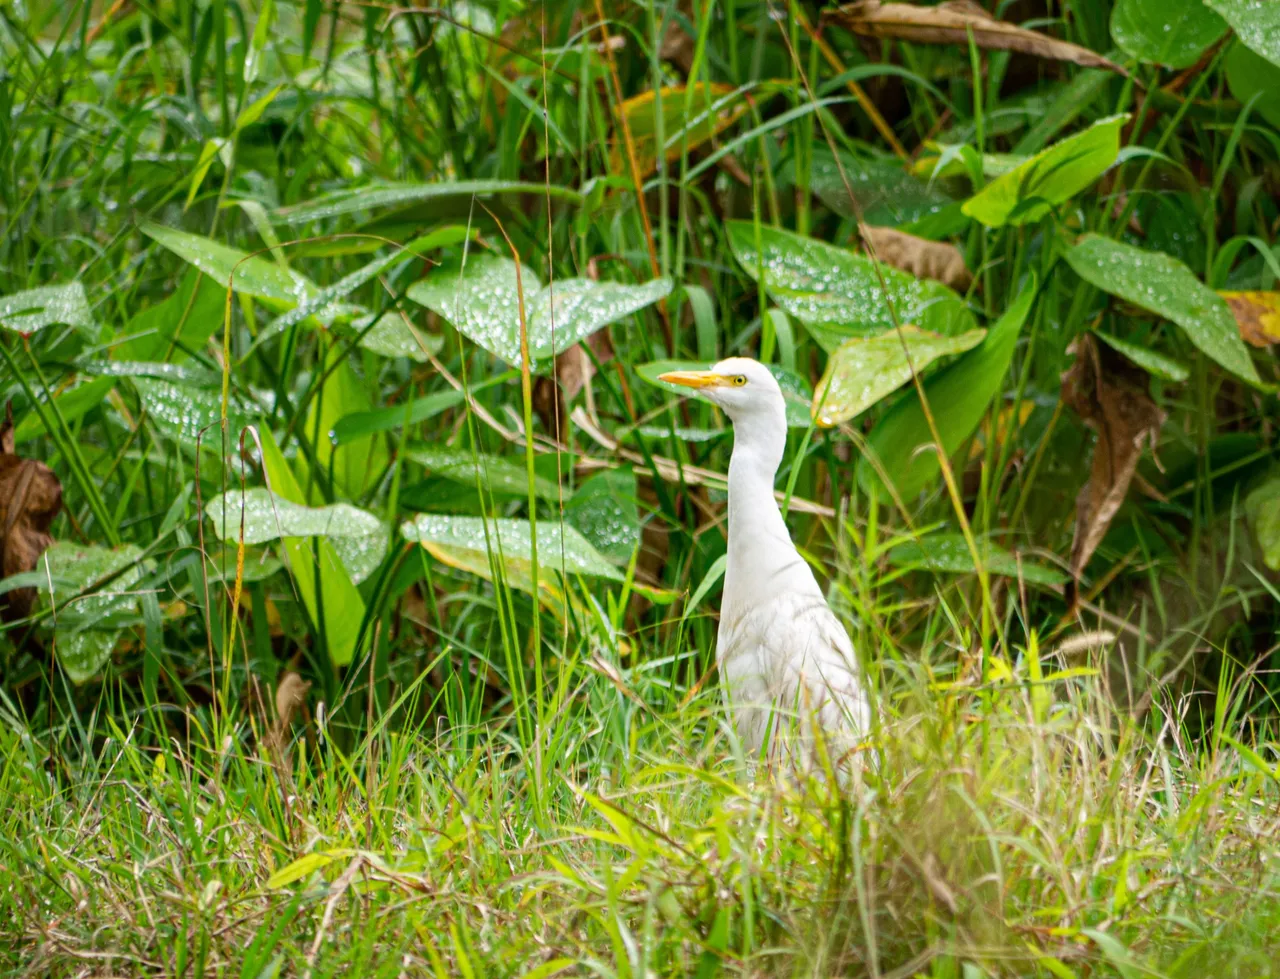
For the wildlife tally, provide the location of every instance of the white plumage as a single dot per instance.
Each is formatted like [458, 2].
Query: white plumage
[786, 662]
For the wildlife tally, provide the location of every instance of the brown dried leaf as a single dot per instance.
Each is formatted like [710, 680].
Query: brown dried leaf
[1111, 396]
[951, 23]
[921, 257]
[30, 497]
[1257, 314]
[291, 697]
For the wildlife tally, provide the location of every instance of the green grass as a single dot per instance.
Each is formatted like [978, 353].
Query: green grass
[469, 782]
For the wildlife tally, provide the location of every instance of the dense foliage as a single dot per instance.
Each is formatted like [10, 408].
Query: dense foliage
[359, 575]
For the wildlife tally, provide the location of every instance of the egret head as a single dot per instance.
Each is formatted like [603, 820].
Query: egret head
[743, 387]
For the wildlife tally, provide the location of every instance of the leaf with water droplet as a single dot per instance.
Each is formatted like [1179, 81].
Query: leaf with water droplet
[466, 467]
[1053, 176]
[358, 537]
[949, 554]
[882, 188]
[836, 293]
[1165, 286]
[483, 302]
[375, 196]
[33, 309]
[1256, 23]
[958, 397]
[604, 511]
[466, 543]
[865, 369]
[190, 413]
[795, 389]
[1153, 363]
[256, 276]
[1172, 33]
[83, 639]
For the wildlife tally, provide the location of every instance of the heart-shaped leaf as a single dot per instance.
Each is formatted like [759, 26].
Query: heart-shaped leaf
[836, 293]
[865, 369]
[358, 537]
[1053, 176]
[604, 511]
[883, 189]
[483, 301]
[1165, 286]
[190, 413]
[83, 639]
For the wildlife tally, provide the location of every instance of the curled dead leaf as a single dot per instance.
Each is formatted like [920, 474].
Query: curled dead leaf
[1111, 396]
[30, 497]
[921, 257]
[952, 23]
[291, 697]
[1257, 314]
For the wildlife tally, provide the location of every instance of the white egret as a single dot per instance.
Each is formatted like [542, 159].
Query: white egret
[784, 658]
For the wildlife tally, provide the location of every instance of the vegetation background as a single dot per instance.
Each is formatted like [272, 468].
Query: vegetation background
[295, 295]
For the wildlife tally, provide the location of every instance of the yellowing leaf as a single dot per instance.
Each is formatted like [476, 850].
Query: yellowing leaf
[691, 115]
[1257, 314]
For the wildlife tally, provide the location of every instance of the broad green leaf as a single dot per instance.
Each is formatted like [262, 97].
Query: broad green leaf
[185, 321]
[477, 545]
[336, 608]
[1250, 76]
[257, 276]
[354, 465]
[33, 309]
[883, 189]
[358, 537]
[1262, 506]
[483, 302]
[498, 474]
[1173, 33]
[950, 554]
[836, 293]
[604, 511]
[82, 639]
[795, 390]
[1146, 358]
[1165, 286]
[379, 195]
[1256, 23]
[865, 369]
[1053, 176]
[191, 414]
[958, 397]
[72, 404]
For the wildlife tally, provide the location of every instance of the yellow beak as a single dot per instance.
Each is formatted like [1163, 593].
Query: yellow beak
[695, 379]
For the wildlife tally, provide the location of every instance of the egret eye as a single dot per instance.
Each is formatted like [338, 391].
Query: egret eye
[739, 380]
